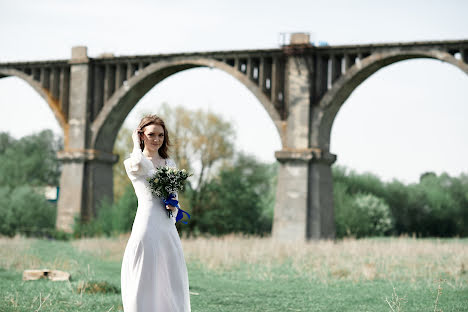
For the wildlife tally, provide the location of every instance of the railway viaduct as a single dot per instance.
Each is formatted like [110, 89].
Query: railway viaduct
[300, 85]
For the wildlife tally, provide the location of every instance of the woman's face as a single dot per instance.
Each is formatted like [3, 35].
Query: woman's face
[153, 137]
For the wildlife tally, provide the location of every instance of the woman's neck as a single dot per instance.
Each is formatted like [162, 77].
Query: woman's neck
[151, 154]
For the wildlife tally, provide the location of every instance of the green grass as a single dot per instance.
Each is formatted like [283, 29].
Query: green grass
[242, 287]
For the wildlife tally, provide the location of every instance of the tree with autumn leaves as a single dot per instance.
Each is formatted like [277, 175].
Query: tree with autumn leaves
[203, 143]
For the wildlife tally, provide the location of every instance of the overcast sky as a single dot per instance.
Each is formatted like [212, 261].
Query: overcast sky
[406, 119]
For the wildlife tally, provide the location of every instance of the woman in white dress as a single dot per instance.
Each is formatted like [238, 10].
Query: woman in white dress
[154, 273]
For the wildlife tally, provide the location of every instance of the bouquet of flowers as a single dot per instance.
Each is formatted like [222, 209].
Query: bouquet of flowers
[164, 183]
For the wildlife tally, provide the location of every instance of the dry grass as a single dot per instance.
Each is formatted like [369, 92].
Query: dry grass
[391, 259]
[15, 256]
[13, 246]
[402, 258]
[110, 249]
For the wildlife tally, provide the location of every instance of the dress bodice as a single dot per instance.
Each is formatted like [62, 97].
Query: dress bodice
[139, 169]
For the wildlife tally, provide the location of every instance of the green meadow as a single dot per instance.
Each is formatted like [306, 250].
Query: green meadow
[241, 273]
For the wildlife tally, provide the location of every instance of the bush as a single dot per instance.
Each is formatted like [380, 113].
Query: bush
[239, 200]
[361, 214]
[7, 215]
[23, 210]
[111, 218]
[344, 213]
[375, 215]
[25, 164]
[366, 183]
[436, 206]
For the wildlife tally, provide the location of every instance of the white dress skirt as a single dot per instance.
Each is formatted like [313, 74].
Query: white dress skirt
[154, 274]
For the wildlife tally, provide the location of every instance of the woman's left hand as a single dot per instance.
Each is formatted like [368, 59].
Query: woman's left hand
[171, 208]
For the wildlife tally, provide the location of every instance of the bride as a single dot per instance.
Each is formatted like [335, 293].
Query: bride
[154, 273]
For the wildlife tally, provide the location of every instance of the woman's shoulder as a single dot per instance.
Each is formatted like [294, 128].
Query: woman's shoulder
[132, 158]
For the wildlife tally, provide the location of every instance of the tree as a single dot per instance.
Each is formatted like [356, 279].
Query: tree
[426, 174]
[200, 139]
[201, 142]
[203, 139]
[239, 199]
[436, 206]
[27, 164]
[122, 147]
[212, 141]
[5, 141]
[179, 121]
[31, 160]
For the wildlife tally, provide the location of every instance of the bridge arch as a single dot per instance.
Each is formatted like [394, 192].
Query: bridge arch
[106, 125]
[328, 107]
[44, 93]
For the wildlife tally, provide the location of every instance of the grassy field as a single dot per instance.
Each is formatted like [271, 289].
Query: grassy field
[238, 273]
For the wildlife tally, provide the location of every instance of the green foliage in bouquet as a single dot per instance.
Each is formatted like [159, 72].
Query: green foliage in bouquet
[167, 180]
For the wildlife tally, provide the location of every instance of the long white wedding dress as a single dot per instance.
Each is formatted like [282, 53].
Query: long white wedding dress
[154, 273]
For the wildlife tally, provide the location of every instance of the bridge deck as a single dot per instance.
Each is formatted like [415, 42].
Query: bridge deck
[351, 48]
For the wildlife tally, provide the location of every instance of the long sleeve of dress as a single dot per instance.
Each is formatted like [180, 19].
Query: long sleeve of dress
[135, 165]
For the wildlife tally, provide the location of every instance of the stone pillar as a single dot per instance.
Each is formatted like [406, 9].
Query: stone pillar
[321, 216]
[464, 54]
[336, 67]
[86, 173]
[290, 214]
[97, 184]
[304, 197]
[70, 199]
[99, 181]
[72, 186]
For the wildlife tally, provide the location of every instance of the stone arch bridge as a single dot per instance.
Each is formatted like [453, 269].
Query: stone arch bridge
[301, 86]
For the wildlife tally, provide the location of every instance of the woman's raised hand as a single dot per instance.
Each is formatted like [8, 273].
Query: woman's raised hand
[136, 137]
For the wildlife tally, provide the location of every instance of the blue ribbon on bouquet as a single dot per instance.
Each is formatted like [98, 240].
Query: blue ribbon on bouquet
[174, 202]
